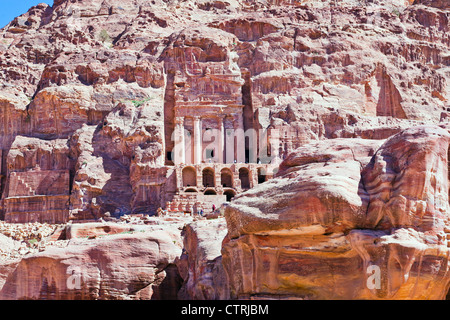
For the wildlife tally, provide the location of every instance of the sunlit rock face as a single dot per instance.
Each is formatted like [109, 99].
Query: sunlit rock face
[120, 81]
[346, 219]
[201, 263]
[341, 191]
[102, 261]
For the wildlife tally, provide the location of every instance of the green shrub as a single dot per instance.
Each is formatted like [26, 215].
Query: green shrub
[104, 36]
[138, 103]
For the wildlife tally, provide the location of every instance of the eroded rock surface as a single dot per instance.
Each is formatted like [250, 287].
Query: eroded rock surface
[344, 94]
[104, 261]
[201, 263]
[334, 214]
[110, 78]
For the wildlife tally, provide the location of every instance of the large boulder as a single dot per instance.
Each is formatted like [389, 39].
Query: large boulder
[341, 221]
[133, 264]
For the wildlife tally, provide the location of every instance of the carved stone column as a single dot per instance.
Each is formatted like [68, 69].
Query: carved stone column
[253, 145]
[179, 147]
[275, 145]
[197, 140]
[240, 139]
[221, 142]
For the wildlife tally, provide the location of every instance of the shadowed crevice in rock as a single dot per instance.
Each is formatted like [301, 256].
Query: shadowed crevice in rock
[168, 288]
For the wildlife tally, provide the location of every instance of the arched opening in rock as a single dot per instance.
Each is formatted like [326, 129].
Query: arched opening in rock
[210, 192]
[190, 190]
[261, 175]
[208, 177]
[226, 178]
[189, 177]
[168, 288]
[229, 194]
[244, 176]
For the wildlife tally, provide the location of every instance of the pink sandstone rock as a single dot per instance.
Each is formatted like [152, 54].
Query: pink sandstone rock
[330, 215]
[137, 265]
[38, 184]
[94, 96]
[201, 264]
[306, 70]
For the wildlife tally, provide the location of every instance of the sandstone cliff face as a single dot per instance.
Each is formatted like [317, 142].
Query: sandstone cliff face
[116, 71]
[90, 94]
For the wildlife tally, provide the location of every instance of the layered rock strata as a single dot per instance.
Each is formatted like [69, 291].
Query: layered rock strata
[101, 261]
[346, 219]
[121, 83]
[119, 110]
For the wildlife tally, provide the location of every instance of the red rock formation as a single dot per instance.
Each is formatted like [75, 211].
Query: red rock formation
[38, 183]
[434, 3]
[201, 263]
[306, 70]
[134, 265]
[95, 96]
[331, 217]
